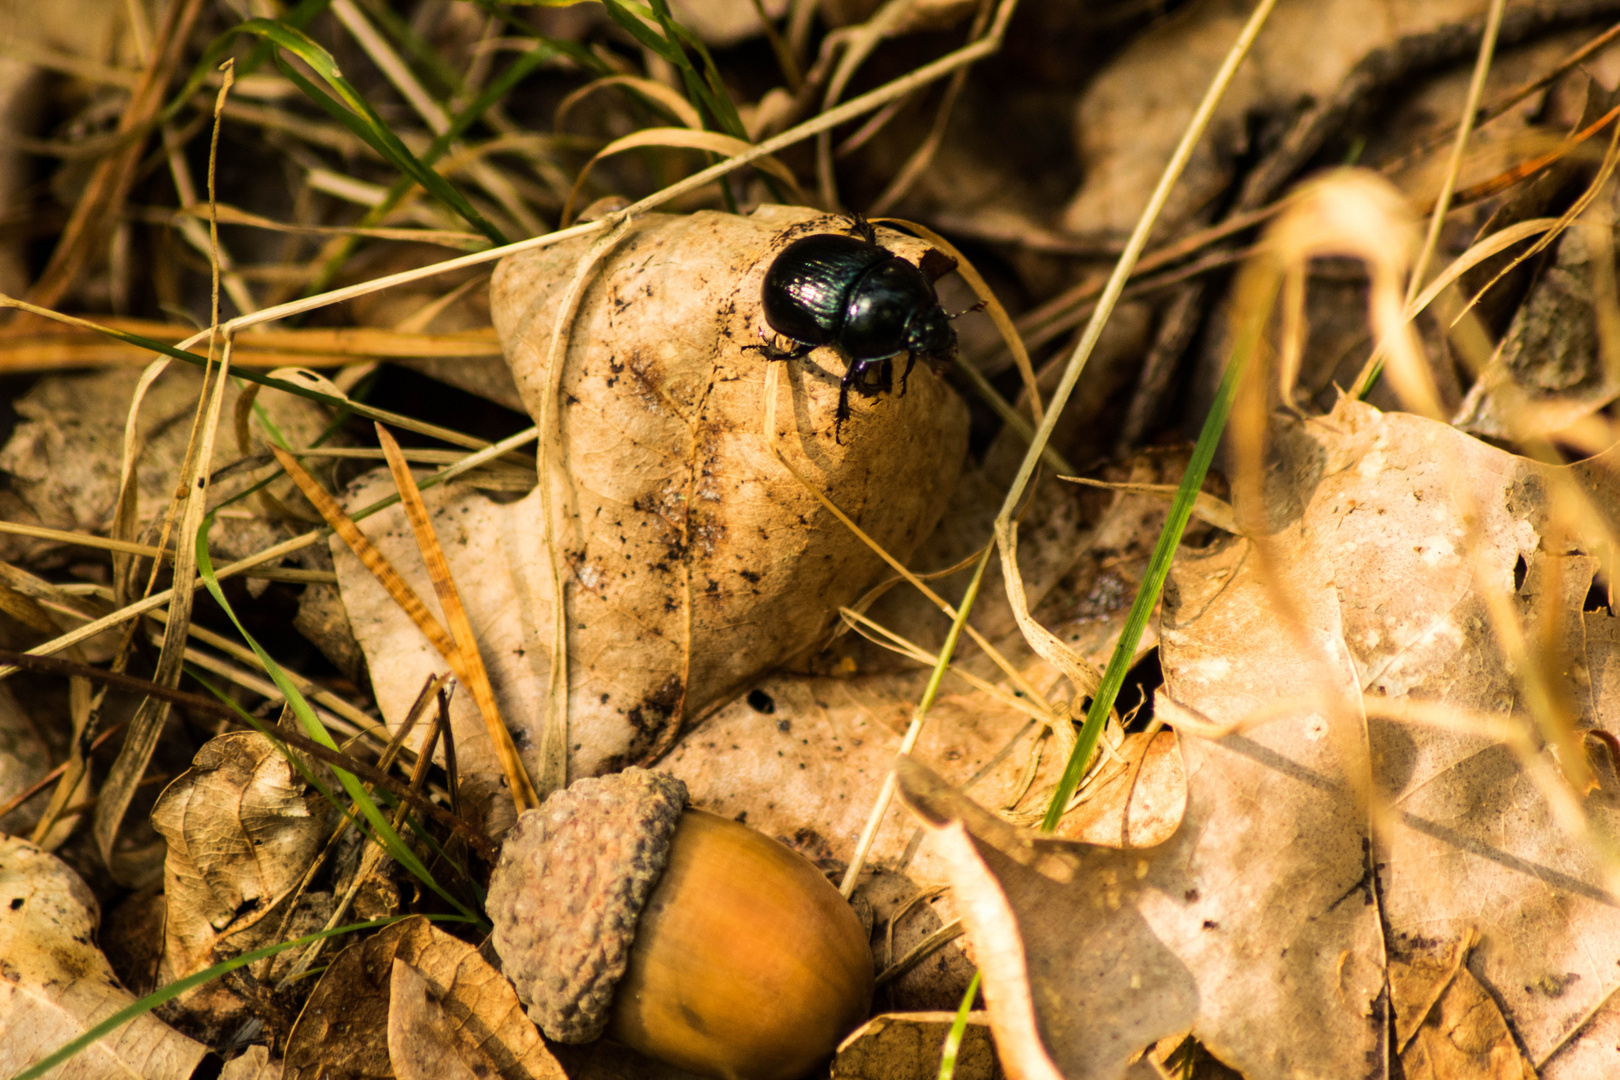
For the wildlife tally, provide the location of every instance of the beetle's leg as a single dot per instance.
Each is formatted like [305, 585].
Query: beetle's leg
[872, 378]
[862, 228]
[855, 371]
[905, 372]
[773, 351]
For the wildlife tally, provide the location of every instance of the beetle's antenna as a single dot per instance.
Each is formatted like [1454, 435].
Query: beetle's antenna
[967, 311]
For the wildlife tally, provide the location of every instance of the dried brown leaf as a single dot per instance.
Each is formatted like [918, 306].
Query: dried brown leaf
[471, 669]
[24, 759]
[694, 561]
[1132, 114]
[1465, 1038]
[55, 984]
[254, 1063]
[242, 828]
[65, 455]
[421, 1043]
[1136, 801]
[1319, 845]
[346, 1028]
[1550, 371]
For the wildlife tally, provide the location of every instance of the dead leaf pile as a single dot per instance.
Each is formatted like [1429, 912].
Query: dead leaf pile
[64, 461]
[1357, 811]
[1368, 859]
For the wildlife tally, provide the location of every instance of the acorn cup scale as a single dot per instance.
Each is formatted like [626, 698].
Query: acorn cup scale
[686, 936]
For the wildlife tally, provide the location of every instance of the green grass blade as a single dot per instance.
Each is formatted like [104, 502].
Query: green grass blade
[391, 841]
[712, 101]
[1147, 594]
[346, 105]
[497, 90]
[576, 52]
[953, 1039]
[643, 33]
[180, 986]
[412, 821]
[724, 109]
[216, 51]
[421, 50]
[198, 360]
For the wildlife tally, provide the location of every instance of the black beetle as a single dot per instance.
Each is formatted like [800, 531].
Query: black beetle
[852, 293]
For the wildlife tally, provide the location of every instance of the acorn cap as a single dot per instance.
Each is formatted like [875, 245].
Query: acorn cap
[568, 891]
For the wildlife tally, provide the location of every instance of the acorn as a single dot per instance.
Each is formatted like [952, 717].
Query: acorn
[687, 936]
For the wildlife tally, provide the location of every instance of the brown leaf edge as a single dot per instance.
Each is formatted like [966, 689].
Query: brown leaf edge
[959, 826]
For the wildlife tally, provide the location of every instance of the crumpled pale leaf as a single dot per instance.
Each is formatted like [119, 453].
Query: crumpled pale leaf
[1136, 801]
[907, 1046]
[694, 559]
[1268, 923]
[242, 828]
[1132, 115]
[801, 755]
[64, 458]
[55, 984]
[347, 1027]
[1447, 1026]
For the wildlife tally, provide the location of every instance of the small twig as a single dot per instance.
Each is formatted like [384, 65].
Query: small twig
[920, 951]
[1465, 128]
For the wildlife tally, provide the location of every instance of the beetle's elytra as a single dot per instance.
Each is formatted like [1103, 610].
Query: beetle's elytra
[852, 293]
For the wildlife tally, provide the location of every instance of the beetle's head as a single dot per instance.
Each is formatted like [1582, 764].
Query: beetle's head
[929, 333]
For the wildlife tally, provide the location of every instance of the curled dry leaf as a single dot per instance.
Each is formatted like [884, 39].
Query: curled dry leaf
[1331, 842]
[242, 828]
[1134, 801]
[1133, 113]
[347, 1028]
[694, 560]
[1446, 1024]
[55, 984]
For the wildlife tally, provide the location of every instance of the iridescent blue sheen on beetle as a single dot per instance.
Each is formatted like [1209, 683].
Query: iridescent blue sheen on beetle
[863, 300]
